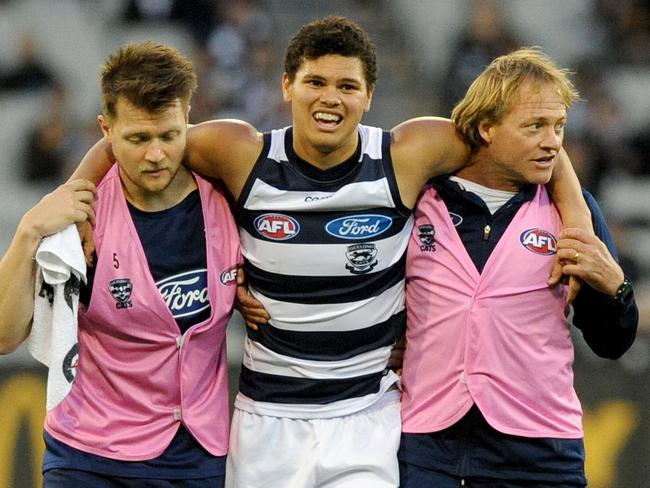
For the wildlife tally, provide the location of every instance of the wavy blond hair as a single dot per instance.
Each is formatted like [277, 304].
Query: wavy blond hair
[496, 89]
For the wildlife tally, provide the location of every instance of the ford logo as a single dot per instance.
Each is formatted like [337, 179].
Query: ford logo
[186, 293]
[358, 226]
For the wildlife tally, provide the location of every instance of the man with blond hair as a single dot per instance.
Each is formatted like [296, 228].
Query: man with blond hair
[488, 397]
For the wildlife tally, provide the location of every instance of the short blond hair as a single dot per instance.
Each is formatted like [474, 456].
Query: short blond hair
[496, 89]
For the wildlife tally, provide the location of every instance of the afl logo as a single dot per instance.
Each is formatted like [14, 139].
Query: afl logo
[358, 226]
[539, 241]
[229, 277]
[276, 227]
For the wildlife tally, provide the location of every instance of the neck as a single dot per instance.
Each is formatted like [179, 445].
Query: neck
[323, 157]
[481, 170]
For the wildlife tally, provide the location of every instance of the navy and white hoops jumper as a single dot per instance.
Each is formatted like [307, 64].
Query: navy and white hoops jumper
[325, 253]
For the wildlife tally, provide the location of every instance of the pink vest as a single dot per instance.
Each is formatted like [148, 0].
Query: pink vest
[499, 339]
[137, 378]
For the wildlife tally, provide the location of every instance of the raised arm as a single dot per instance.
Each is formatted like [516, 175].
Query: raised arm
[567, 195]
[422, 148]
[96, 163]
[224, 149]
[69, 203]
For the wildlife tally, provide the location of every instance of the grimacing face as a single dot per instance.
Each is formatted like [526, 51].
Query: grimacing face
[523, 146]
[148, 146]
[328, 96]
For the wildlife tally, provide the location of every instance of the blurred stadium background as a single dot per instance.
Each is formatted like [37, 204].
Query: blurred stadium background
[429, 50]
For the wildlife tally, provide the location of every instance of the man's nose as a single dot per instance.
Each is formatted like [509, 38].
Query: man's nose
[552, 139]
[154, 152]
[331, 96]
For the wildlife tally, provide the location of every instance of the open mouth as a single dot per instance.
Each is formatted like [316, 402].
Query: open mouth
[545, 161]
[327, 119]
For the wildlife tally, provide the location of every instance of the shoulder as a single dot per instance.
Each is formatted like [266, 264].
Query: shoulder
[238, 132]
[225, 149]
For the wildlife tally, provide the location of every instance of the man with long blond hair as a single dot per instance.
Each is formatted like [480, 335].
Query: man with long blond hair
[488, 398]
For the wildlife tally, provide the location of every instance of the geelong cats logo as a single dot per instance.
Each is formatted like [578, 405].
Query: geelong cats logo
[121, 289]
[362, 258]
[427, 235]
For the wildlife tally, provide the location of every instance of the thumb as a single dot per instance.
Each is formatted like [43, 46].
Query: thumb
[575, 284]
[556, 274]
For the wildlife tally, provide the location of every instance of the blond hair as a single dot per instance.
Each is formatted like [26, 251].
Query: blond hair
[496, 89]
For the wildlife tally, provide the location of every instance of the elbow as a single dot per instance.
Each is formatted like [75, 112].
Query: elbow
[614, 349]
[9, 343]
[7, 346]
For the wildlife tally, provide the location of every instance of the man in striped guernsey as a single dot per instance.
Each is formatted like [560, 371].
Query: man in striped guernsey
[324, 214]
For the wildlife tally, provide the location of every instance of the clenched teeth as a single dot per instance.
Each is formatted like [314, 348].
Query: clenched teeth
[326, 117]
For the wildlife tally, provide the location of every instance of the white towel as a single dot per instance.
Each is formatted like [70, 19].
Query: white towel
[53, 339]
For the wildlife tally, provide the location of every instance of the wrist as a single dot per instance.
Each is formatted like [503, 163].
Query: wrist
[28, 236]
[624, 293]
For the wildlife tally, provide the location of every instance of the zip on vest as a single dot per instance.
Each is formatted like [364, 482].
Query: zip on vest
[486, 232]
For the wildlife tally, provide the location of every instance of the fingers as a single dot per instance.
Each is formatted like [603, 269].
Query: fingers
[575, 284]
[251, 325]
[82, 185]
[241, 277]
[254, 315]
[86, 236]
[556, 273]
[251, 309]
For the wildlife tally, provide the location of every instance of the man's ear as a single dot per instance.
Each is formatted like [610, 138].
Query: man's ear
[103, 123]
[286, 87]
[486, 131]
[371, 90]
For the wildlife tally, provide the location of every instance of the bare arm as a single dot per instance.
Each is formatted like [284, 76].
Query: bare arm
[566, 192]
[225, 150]
[422, 148]
[69, 203]
[567, 195]
[96, 163]
[221, 149]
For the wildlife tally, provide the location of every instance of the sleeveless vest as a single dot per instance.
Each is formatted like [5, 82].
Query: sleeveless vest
[137, 377]
[499, 339]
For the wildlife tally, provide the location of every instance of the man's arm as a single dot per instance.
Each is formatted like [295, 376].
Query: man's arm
[69, 203]
[221, 149]
[96, 163]
[422, 148]
[566, 193]
[224, 149]
[608, 325]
